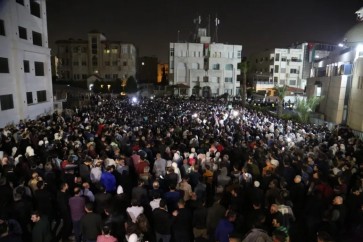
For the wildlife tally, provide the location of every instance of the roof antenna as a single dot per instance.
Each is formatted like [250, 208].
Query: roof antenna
[217, 21]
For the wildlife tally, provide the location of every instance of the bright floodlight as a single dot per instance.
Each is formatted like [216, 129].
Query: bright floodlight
[195, 115]
[341, 45]
[134, 99]
[288, 139]
[235, 113]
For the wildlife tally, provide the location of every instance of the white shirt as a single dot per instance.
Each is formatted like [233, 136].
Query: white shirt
[134, 212]
[155, 203]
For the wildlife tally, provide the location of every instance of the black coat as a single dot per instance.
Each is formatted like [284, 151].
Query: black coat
[162, 221]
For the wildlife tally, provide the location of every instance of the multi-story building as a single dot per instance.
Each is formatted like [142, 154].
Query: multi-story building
[277, 67]
[204, 68]
[25, 68]
[338, 79]
[79, 59]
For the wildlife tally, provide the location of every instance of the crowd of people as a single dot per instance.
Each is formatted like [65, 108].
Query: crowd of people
[170, 169]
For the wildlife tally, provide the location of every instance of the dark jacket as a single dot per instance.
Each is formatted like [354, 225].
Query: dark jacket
[91, 226]
[41, 231]
[162, 221]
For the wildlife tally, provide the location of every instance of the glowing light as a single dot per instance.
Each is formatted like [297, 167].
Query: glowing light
[288, 139]
[134, 99]
[235, 113]
[341, 45]
[195, 115]
[143, 63]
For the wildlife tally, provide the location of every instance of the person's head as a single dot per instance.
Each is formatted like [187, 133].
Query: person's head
[231, 215]
[162, 204]
[338, 200]
[77, 191]
[172, 186]
[35, 216]
[135, 202]
[235, 237]
[85, 185]
[64, 186]
[106, 230]
[323, 236]
[274, 208]
[278, 236]
[88, 207]
[277, 220]
[156, 185]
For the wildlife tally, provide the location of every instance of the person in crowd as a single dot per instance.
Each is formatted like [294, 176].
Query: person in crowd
[225, 227]
[299, 167]
[162, 221]
[182, 228]
[91, 224]
[76, 205]
[41, 230]
[106, 235]
[64, 212]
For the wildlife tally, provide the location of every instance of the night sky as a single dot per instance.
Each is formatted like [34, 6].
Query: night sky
[152, 24]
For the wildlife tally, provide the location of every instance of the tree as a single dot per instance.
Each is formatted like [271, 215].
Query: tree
[243, 83]
[131, 85]
[164, 78]
[96, 87]
[281, 92]
[305, 106]
[116, 86]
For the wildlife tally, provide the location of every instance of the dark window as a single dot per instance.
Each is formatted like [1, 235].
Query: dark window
[37, 38]
[4, 65]
[20, 2]
[39, 68]
[42, 96]
[35, 8]
[22, 33]
[125, 63]
[94, 61]
[29, 97]
[6, 102]
[26, 66]
[2, 27]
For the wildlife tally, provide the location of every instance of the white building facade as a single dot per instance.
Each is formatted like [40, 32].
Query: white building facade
[204, 68]
[338, 79]
[25, 68]
[278, 67]
[110, 60]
